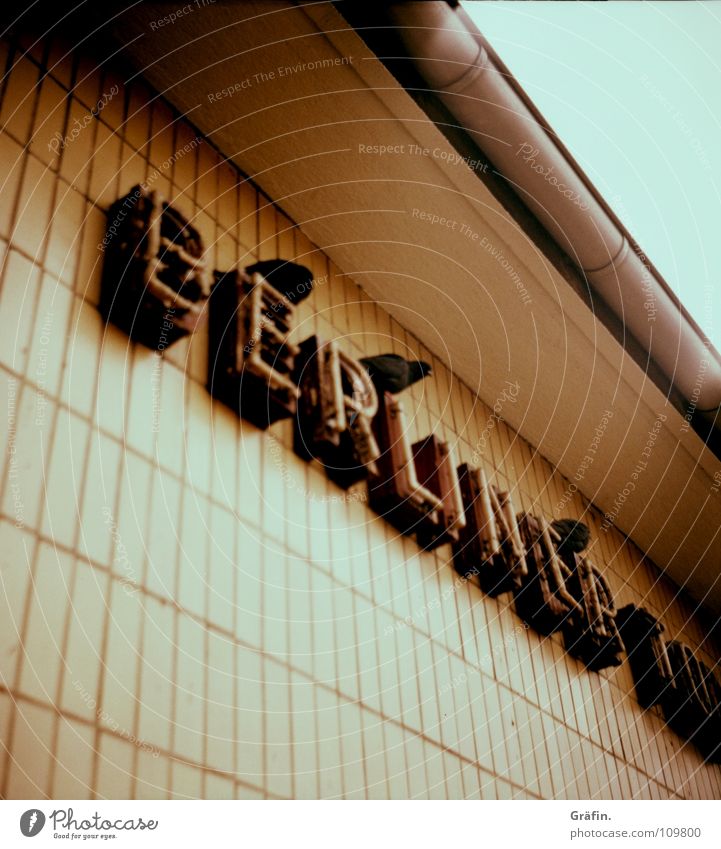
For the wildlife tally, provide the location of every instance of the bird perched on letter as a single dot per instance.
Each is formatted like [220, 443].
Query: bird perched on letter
[293, 281]
[391, 373]
[575, 535]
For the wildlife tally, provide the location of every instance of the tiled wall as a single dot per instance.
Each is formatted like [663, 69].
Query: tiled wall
[186, 608]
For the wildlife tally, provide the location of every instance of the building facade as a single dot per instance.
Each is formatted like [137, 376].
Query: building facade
[188, 609]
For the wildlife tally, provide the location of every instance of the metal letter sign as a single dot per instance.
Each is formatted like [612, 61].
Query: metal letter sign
[490, 545]
[692, 707]
[647, 655]
[708, 736]
[591, 635]
[543, 599]
[155, 281]
[155, 285]
[395, 492]
[337, 404]
[436, 469]
[250, 360]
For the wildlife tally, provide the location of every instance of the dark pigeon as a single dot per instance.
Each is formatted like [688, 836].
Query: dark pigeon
[575, 535]
[290, 279]
[391, 373]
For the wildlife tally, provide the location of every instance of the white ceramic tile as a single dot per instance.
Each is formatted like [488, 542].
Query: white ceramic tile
[64, 479]
[380, 586]
[26, 467]
[82, 356]
[279, 489]
[163, 534]
[318, 522]
[77, 157]
[142, 421]
[198, 436]
[122, 656]
[428, 690]
[115, 768]
[415, 766]
[329, 745]
[249, 716]
[407, 675]
[193, 563]
[435, 772]
[82, 661]
[113, 380]
[385, 640]
[275, 603]
[345, 642]
[297, 519]
[156, 674]
[351, 741]
[324, 648]
[31, 753]
[339, 538]
[33, 211]
[398, 787]
[19, 99]
[218, 787]
[187, 781]
[367, 658]
[73, 772]
[249, 586]
[169, 417]
[190, 704]
[90, 261]
[66, 226]
[399, 572]
[43, 643]
[129, 527]
[445, 688]
[97, 540]
[16, 551]
[242, 791]
[151, 780]
[376, 771]
[460, 673]
[300, 631]
[49, 337]
[224, 454]
[305, 738]
[278, 750]
[222, 569]
[250, 492]
[9, 386]
[12, 161]
[220, 704]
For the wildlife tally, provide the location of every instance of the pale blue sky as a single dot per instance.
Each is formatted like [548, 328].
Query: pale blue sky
[634, 91]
